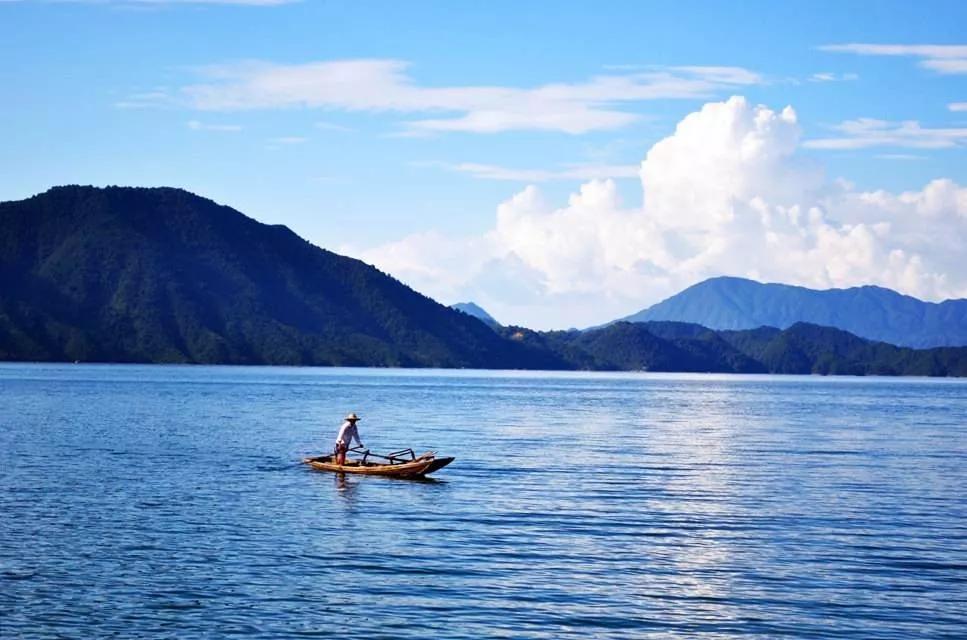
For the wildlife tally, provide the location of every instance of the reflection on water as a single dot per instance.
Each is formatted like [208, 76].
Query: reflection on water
[345, 488]
[579, 505]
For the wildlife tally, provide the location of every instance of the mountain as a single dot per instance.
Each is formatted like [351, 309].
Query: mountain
[472, 309]
[801, 349]
[808, 348]
[869, 312]
[162, 275]
[636, 346]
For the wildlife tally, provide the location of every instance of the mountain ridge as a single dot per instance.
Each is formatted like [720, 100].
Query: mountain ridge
[475, 310]
[160, 275]
[869, 311]
[682, 347]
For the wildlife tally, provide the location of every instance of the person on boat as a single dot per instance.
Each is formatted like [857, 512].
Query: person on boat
[347, 433]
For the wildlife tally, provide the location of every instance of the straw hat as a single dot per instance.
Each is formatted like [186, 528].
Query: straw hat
[352, 416]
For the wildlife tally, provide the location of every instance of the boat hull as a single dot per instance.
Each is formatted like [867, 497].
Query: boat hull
[412, 469]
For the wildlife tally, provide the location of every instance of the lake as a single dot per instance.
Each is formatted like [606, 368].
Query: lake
[168, 502]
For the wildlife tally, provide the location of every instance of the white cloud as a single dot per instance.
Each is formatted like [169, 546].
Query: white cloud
[569, 172]
[142, 100]
[376, 85]
[331, 126]
[920, 50]
[726, 193]
[724, 74]
[197, 125]
[828, 76]
[869, 132]
[942, 58]
[900, 156]
[720, 74]
[946, 65]
[957, 106]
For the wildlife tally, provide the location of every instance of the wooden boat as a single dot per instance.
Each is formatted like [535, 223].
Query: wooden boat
[396, 464]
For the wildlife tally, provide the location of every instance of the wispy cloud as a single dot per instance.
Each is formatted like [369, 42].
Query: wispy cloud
[869, 132]
[942, 58]
[827, 76]
[376, 85]
[957, 106]
[287, 140]
[141, 100]
[324, 179]
[197, 125]
[727, 74]
[723, 75]
[568, 172]
[900, 156]
[331, 126]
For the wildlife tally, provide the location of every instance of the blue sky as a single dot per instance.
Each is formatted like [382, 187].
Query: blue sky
[395, 130]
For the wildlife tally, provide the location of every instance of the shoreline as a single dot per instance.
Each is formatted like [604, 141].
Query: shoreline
[477, 372]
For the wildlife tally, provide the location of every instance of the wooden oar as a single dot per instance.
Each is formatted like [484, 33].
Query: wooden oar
[376, 455]
[390, 457]
[366, 453]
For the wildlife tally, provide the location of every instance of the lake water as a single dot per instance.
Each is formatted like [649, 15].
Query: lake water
[167, 502]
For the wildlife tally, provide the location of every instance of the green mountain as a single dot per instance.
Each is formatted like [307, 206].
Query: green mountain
[808, 348]
[676, 346]
[870, 312]
[161, 275]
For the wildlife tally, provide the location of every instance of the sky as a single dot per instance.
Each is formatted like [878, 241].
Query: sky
[560, 164]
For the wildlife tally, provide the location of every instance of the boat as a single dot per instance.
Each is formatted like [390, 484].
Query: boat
[399, 464]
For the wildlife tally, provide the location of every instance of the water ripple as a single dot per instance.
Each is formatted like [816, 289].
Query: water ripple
[168, 502]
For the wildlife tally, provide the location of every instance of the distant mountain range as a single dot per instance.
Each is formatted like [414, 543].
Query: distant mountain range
[870, 312]
[164, 276]
[801, 349]
[472, 309]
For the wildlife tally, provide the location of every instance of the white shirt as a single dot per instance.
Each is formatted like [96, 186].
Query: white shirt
[347, 432]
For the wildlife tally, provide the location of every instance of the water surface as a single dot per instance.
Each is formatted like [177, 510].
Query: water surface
[143, 501]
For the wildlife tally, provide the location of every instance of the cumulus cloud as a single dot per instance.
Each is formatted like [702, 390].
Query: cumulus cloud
[942, 58]
[385, 85]
[725, 193]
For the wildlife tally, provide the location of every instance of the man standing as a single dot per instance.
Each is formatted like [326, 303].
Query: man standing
[347, 433]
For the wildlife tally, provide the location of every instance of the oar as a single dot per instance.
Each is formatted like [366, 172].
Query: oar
[369, 454]
[390, 457]
[376, 455]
